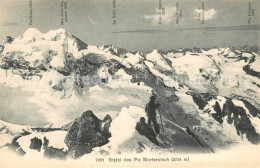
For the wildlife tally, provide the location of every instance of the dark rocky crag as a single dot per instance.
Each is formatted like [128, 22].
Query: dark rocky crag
[36, 144]
[53, 153]
[145, 130]
[241, 121]
[86, 133]
[235, 115]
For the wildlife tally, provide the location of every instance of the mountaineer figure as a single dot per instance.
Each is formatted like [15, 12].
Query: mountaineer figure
[151, 113]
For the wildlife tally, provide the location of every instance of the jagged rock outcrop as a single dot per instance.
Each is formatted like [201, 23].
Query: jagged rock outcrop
[45, 143]
[67, 126]
[54, 153]
[234, 115]
[86, 133]
[14, 146]
[218, 115]
[9, 39]
[146, 131]
[237, 116]
[36, 144]
[201, 99]
[253, 110]
[250, 71]
[228, 109]
[51, 152]
[20, 66]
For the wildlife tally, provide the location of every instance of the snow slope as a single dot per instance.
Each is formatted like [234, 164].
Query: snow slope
[52, 68]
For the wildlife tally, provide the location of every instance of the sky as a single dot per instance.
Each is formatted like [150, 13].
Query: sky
[137, 28]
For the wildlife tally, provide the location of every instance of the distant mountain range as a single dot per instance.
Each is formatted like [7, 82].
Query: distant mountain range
[209, 98]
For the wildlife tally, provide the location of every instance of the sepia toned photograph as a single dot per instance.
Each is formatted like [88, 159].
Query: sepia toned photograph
[124, 83]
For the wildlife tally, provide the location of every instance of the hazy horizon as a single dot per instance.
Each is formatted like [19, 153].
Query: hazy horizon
[137, 29]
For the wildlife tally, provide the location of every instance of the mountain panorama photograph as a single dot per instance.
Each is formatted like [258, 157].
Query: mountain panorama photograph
[146, 83]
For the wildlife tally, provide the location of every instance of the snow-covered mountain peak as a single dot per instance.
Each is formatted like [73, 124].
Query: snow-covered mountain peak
[53, 48]
[33, 34]
[58, 34]
[197, 88]
[154, 52]
[157, 59]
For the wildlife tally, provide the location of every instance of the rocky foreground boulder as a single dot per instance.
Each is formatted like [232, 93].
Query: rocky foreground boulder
[36, 144]
[86, 133]
[145, 130]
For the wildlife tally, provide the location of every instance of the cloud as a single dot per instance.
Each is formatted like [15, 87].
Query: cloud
[4, 23]
[165, 19]
[208, 14]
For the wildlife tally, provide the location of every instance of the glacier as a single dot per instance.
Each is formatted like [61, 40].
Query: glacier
[209, 98]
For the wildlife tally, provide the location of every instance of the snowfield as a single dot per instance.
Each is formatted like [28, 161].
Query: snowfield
[50, 79]
[56, 140]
